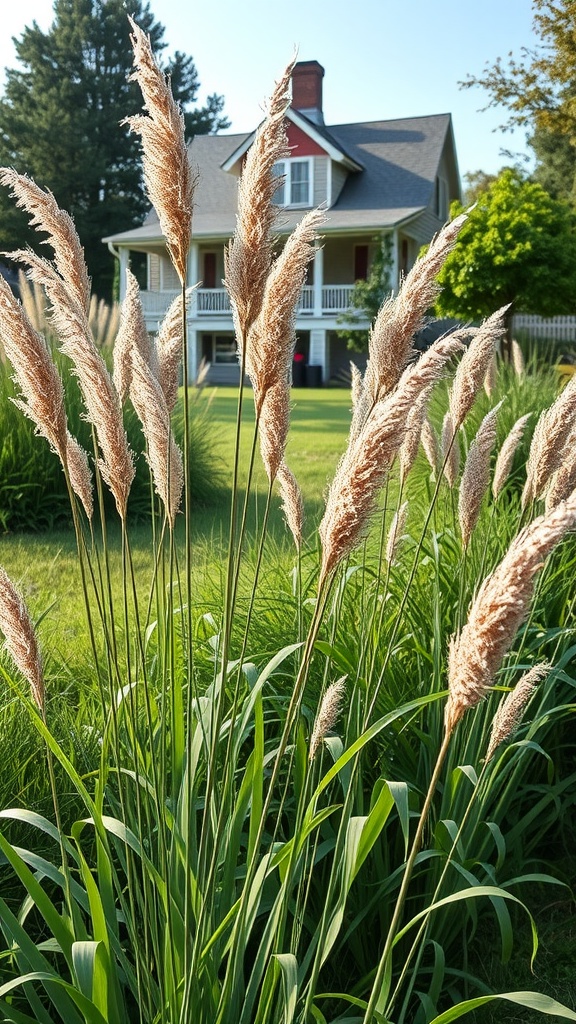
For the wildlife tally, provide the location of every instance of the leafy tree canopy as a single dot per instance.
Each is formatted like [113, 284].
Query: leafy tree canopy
[518, 246]
[539, 88]
[61, 116]
[367, 297]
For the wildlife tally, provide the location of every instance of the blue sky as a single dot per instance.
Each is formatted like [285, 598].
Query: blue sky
[383, 58]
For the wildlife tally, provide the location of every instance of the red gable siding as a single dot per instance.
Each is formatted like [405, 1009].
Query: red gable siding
[301, 144]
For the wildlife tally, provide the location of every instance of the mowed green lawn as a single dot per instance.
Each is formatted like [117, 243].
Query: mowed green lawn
[45, 565]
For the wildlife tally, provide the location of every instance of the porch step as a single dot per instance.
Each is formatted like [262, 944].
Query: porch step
[224, 373]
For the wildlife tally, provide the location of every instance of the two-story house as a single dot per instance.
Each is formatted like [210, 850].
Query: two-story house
[381, 177]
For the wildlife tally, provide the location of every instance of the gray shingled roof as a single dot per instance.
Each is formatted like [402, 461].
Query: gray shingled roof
[400, 160]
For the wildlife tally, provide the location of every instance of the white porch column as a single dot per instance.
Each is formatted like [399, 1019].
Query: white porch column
[318, 354]
[395, 269]
[124, 258]
[193, 361]
[318, 280]
[193, 277]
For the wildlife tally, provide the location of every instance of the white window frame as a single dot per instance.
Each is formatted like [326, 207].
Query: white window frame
[284, 167]
[441, 202]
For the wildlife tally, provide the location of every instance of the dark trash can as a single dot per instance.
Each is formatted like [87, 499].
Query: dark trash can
[313, 376]
[298, 375]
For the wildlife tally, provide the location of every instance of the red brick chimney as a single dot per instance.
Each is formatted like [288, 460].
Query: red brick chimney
[307, 89]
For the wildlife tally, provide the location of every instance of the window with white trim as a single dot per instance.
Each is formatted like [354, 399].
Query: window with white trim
[441, 198]
[296, 189]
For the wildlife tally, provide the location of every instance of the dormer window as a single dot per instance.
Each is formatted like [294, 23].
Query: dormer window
[296, 189]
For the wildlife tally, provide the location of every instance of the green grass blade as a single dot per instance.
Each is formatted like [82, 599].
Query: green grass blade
[531, 1000]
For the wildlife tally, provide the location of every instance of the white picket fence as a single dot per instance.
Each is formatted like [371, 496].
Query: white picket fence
[557, 328]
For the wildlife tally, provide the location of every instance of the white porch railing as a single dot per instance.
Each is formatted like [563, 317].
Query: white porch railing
[336, 297]
[214, 301]
[306, 304]
[155, 304]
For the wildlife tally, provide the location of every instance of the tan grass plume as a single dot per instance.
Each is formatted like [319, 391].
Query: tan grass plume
[327, 715]
[272, 337]
[390, 345]
[563, 481]
[42, 394]
[249, 255]
[511, 710]
[411, 443]
[167, 173]
[473, 366]
[518, 359]
[498, 610]
[169, 350]
[450, 450]
[369, 456]
[505, 458]
[20, 637]
[292, 503]
[430, 444]
[491, 378]
[476, 475]
[65, 288]
[46, 216]
[162, 452]
[395, 533]
[549, 442]
[132, 331]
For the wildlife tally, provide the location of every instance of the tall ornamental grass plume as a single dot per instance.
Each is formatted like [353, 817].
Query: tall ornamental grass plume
[550, 442]
[390, 345]
[501, 605]
[20, 637]
[249, 254]
[511, 711]
[167, 172]
[66, 283]
[370, 454]
[269, 805]
[476, 475]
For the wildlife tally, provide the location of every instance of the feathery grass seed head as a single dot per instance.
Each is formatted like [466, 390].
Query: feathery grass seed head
[498, 610]
[473, 366]
[395, 532]
[476, 475]
[249, 254]
[511, 710]
[369, 456]
[551, 439]
[20, 637]
[292, 503]
[392, 334]
[506, 455]
[167, 172]
[450, 450]
[46, 216]
[327, 714]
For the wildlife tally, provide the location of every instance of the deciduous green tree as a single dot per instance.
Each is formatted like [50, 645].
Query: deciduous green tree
[61, 116]
[518, 246]
[538, 89]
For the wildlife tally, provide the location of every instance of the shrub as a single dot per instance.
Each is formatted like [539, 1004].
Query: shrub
[33, 492]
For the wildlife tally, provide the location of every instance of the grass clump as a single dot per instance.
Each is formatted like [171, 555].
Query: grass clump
[294, 802]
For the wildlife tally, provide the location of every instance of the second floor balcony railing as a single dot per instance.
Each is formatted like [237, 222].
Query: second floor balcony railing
[211, 302]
